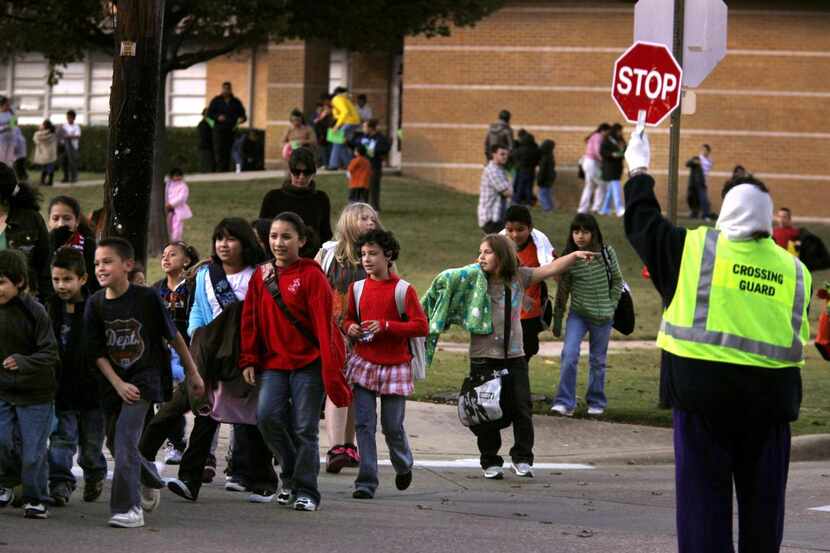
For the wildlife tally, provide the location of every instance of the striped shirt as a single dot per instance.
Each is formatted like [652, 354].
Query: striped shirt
[491, 204]
[587, 286]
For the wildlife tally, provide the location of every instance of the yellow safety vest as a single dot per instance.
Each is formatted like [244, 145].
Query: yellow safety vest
[742, 302]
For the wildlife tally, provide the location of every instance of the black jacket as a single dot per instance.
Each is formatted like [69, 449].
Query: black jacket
[309, 203]
[27, 335]
[526, 154]
[611, 153]
[233, 110]
[27, 233]
[734, 394]
[205, 135]
[547, 165]
[78, 377]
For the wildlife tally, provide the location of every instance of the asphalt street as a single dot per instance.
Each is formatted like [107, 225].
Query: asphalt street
[604, 508]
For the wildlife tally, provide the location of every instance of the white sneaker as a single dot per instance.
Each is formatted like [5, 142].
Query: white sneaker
[173, 456]
[560, 409]
[494, 473]
[522, 470]
[234, 486]
[286, 497]
[261, 496]
[595, 411]
[134, 518]
[305, 504]
[150, 498]
[6, 496]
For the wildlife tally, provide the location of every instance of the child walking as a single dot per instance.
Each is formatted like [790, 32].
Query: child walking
[178, 211]
[128, 332]
[495, 286]
[594, 289]
[46, 151]
[80, 419]
[68, 227]
[534, 250]
[29, 356]
[291, 345]
[359, 174]
[340, 260]
[380, 363]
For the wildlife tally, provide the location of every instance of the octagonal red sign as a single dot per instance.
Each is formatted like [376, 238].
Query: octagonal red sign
[646, 78]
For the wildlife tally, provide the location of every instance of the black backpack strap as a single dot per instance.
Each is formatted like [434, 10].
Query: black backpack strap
[273, 284]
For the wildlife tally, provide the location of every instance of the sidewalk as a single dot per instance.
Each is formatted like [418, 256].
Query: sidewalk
[554, 349]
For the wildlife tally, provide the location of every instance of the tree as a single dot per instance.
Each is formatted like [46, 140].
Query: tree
[195, 31]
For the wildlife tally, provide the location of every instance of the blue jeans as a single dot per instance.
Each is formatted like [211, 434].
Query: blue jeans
[76, 430]
[523, 188]
[341, 154]
[392, 411]
[300, 457]
[546, 198]
[599, 334]
[24, 430]
[614, 193]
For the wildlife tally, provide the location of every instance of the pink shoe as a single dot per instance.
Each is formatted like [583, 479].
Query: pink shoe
[352, 454]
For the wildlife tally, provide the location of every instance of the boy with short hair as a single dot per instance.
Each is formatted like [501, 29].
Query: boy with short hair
[534, 250]
[359, 174]
[127, 327]
[29, 356]
[80, 419]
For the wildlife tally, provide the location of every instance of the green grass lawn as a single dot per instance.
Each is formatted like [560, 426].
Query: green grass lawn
[437, 229]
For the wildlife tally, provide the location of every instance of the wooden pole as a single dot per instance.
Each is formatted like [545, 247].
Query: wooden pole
[132, 122]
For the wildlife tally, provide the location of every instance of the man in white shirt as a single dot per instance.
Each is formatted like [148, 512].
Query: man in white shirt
[70, 139]
[363, 108]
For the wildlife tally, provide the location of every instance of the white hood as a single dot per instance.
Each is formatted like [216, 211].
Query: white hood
[746, 210]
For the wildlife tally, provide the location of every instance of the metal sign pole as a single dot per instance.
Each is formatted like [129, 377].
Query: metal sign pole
[674, 133]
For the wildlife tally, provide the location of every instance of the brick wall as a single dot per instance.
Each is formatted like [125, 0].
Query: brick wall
[370, 74]
[550, 64]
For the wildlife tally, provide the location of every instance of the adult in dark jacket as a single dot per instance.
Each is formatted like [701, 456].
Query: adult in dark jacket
[377, 147]
[546, 175]
[499, 133]
[525, 158]
[300, 195]
[731, 420]
[226, 112]
[205, 130]
[22, 228]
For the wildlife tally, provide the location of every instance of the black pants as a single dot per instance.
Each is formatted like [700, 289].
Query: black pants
[222, 144]
[358, 195]
[710, 454]
[251, 459]
[517, 408]
[165, 424]
[206, 161]
[374, 187]
[530, 334]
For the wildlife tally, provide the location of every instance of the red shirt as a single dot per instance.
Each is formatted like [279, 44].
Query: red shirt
[784, 235]
[360, 172]
[532, 306]
[390, 346]
[268, 339]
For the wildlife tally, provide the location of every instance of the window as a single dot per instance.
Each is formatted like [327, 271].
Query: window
[338, 69]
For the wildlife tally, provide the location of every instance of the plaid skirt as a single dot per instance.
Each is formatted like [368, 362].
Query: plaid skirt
[386, 380]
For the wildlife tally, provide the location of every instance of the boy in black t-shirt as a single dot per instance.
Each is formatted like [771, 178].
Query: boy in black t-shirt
[128, 326]
[78, 411]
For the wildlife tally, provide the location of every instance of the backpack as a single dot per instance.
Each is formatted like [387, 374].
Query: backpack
[417, 345]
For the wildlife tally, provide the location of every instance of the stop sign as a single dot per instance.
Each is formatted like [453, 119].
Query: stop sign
[646, 78]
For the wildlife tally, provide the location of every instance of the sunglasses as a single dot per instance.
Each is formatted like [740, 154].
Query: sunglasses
[304, 172]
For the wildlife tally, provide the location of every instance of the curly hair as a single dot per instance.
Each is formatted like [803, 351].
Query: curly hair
[384, 239]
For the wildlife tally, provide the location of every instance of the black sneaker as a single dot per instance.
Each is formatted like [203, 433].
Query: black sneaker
[35, 510]
[181, 488]
[362, 494]
[402, 481]
[60, 494]
[92, 490]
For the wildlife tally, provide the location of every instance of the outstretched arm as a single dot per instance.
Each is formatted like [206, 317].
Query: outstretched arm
[560, 265]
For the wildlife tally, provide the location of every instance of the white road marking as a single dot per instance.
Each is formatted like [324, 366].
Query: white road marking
[825, 509]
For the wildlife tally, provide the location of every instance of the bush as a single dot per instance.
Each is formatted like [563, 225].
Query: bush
[182, 147]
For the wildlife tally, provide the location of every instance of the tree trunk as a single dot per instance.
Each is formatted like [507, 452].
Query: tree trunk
[158, 198]
[133, 121]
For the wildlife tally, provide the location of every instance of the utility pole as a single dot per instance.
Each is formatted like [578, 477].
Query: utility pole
[674, 133]
[132, 122]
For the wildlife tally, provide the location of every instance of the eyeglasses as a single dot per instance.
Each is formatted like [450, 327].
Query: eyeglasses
[304, 172]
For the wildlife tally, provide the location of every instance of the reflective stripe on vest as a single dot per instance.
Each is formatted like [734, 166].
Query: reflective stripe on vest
[698, 333]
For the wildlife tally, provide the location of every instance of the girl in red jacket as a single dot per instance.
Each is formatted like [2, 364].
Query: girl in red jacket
[290, 343]
[380, 362]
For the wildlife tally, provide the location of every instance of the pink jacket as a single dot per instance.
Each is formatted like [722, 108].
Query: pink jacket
[592, 147]
[177, 193]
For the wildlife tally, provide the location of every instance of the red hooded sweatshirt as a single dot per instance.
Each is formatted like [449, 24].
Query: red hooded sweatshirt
[269, 341]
